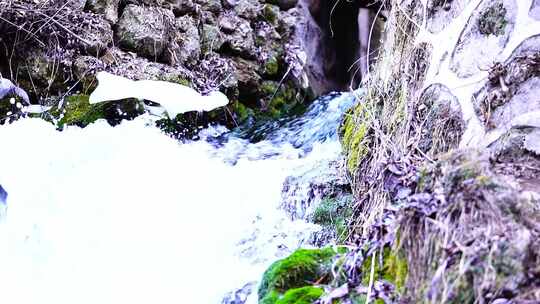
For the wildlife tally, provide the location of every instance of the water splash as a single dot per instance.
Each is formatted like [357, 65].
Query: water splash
[126, 214]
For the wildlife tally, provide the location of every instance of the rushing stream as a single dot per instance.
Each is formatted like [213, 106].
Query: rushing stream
[126, 214]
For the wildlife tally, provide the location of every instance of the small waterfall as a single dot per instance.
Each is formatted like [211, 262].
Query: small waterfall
[126, 214]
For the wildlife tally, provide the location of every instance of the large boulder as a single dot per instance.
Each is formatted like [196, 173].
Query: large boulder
[145, 30]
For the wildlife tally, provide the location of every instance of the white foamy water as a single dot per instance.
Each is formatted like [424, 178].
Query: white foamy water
[126, 214]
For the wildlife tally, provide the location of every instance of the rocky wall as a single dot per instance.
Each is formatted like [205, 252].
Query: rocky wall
[54, 49]
[442, 152]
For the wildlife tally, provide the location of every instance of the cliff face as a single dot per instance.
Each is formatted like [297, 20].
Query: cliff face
[443, 152]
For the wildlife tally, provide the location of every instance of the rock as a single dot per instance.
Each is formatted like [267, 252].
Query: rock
[212, 39]
[248, 80]
[241, 41]
[134, 38]
[288, 23]
[284, 4]
[240, 295]
[295, 273]
[230, 3]
[535, 10]
[76, 4]
[185, 47]
[108, 8]
[99, 36]
[247, 9]
[440, 114]
[8, 88]
[213, 6]
[3, 202]
[136, 68]
[85, 68]
[50, 71]
[145, 30]
[270, 13]
[484, 37]
[228, 23]
[182, 7]
[77, 110]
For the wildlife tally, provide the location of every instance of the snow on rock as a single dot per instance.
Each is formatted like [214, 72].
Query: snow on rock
[173, 97]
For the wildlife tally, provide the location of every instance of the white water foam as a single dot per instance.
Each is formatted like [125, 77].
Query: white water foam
[128, 215]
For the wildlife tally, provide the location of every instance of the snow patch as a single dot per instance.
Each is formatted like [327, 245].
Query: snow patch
[173, 97]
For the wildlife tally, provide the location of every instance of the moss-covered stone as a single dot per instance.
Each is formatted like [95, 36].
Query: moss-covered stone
[271, 66]
[78, 111]
[302, 295]
[181, 127]
[302, 268]
[354, 138]
[281, 99]
[270, 13]
[242, 112]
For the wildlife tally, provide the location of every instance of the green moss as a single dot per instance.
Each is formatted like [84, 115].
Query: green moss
[242, 112]
[78, 111]
[302, 295]
[271, 298]
[302, 268]
[394, 269]
[353, 134]
[270, 13]
[281, 99]
[355, 145]
[271, 67]
[493, 20]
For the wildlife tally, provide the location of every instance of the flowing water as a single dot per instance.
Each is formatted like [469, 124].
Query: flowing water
[126, 214]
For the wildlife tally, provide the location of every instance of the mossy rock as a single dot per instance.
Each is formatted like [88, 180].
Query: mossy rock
[242, 112]
[281, 100]
[302, 295]
[353, 134]
[183, 126]
[78, 111]
[271, 66]
[270, 13]
[285, 281]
